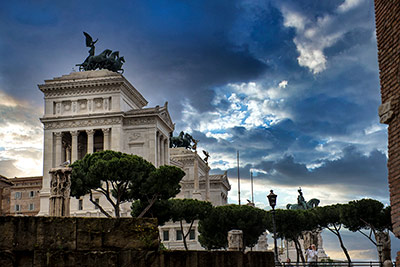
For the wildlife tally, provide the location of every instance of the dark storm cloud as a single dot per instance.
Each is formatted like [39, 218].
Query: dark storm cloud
[180, 51]
[172, 48]
[362, 175]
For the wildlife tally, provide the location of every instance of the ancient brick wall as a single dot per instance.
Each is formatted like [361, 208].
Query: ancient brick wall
[387, 19]
[76, 241]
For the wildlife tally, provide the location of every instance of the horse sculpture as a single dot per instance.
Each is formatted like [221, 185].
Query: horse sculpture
[183, 140]
[106, 60]
[312, 203]
[302, 204]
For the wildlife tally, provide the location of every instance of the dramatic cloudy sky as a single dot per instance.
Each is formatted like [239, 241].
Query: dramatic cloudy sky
[292, 85]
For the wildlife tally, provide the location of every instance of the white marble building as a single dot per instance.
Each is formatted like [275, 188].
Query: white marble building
[91, 111]
[96, 110]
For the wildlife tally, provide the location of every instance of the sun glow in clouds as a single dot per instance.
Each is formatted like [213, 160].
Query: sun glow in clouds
[21, 138]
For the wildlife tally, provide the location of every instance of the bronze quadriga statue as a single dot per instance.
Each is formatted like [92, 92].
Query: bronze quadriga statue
[105, 60]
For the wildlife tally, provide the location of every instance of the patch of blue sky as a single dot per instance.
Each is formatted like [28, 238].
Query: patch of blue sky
[218, 131]
[2, 148]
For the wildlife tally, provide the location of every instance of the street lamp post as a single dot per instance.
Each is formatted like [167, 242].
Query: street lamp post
[272, 202]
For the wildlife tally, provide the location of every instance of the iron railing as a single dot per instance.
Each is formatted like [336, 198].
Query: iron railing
[333, 264]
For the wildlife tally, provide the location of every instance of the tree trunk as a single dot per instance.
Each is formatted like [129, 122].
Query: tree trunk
[187, 233]
[299, 251]
[117, 211]
[183, 236]
[97, 205]
[337, 233]
[152, 201]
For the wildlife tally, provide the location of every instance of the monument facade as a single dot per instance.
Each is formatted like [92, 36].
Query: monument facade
[91, 111]
[97, 110]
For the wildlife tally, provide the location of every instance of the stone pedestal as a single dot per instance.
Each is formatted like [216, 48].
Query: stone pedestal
[262, 244]
[60, 188]
[235, 240]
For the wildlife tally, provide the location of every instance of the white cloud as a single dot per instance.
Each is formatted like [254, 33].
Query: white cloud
[294, 19]
[311, 38]
[250, 105]
[283, 84]
[348, 4]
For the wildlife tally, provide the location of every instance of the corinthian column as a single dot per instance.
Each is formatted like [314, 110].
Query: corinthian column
[161, 150]
[74, 146]
[58, 137]
[106, 139]
[90, 134]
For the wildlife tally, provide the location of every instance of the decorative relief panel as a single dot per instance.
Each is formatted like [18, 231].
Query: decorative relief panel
[139, 121]
[134, 136]
[66, 107]
[98, 104]
[81, 123]
[82, 105]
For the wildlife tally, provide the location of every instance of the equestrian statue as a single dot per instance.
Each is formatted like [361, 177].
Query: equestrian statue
[302, 204]
[105, 60]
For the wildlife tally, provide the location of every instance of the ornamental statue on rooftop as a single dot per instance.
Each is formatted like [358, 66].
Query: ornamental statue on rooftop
[105, 60]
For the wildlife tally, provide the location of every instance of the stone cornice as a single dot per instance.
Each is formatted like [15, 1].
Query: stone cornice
[160, 112]
[220, 178]
[188, 157]
[91, 82]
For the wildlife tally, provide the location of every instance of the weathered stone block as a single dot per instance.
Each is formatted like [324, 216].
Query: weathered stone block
[7, 233]
[122, 233]
[56, 233]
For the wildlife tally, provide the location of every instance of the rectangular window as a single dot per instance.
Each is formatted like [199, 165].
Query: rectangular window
[17, 207]
[192, 235]
[178, 235]
[166, 235]
[32, 194]
[18, 195]
[31, 206]
[97, 200]
[80, 204]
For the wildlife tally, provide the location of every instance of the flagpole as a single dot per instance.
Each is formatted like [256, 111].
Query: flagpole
[238, 175]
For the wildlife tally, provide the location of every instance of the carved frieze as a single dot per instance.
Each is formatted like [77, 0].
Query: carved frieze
[80, 91]
[139, 121]
[81, 123]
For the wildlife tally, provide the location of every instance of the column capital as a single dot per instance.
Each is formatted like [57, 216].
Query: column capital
[90, 132]
[58, 134]
[74, 133]
[106, 130]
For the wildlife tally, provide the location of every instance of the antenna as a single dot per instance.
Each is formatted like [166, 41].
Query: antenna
[251, 180]
[238, 176]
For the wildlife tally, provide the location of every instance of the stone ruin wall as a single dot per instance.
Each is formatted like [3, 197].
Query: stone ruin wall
[78, 241]
[387, 19]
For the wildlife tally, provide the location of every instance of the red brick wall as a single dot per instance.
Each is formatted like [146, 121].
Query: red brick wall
[387, 18]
